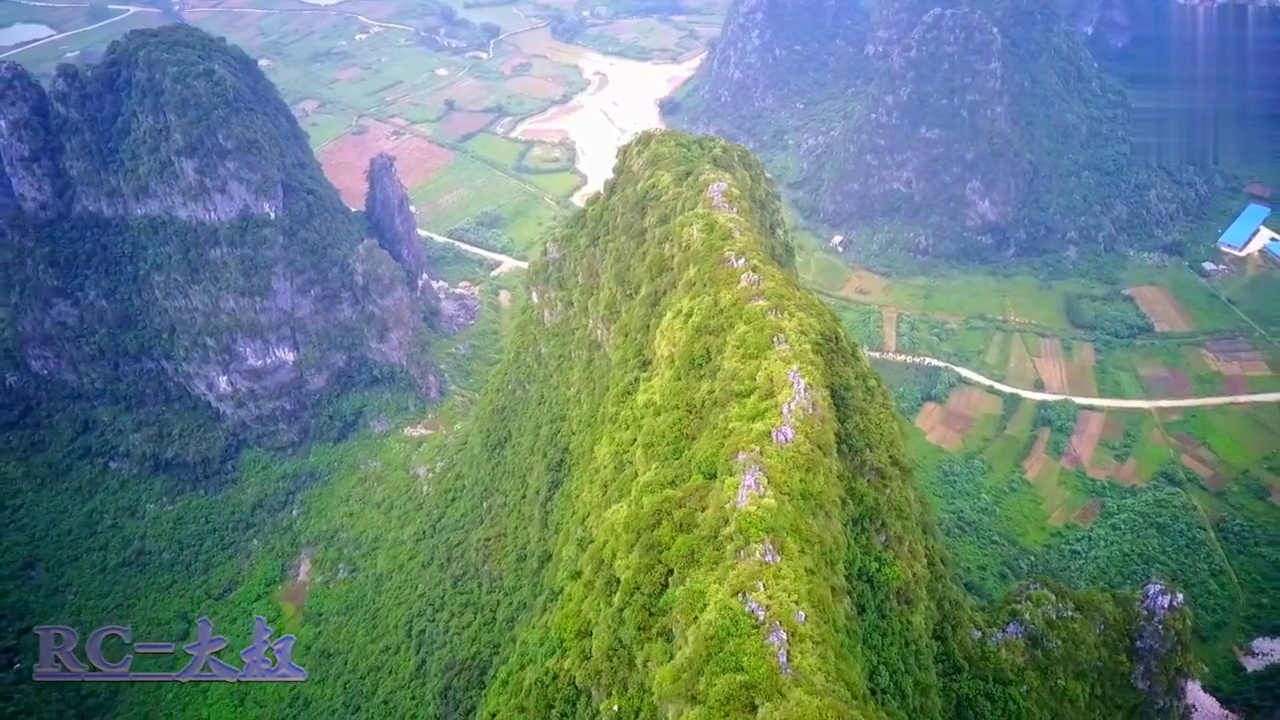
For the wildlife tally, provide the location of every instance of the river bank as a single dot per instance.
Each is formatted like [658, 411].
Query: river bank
[620, 102]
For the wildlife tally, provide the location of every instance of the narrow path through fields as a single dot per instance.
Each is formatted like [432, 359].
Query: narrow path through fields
[1124, 403]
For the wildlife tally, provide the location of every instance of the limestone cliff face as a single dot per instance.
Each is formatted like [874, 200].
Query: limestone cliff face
[391, 216]
[172, 230]
[393, 224]
[28, 152]
[902, 155]
[970, 129]
[765, 65]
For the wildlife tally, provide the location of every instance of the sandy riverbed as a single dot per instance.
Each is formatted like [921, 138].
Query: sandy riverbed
[620, 102]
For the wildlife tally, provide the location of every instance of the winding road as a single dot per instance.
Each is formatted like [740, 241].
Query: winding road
[980, 379]
[506, 263]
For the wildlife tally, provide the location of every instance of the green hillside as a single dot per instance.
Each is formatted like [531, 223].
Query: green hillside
[682, 493]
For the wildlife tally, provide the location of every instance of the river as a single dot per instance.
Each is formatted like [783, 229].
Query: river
[620, 102]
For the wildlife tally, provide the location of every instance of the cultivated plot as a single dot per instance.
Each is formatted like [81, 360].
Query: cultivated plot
[1161, 307]
[947, 425]
[345, 160]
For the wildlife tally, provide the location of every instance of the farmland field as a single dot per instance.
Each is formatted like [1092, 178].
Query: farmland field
[467, 187]
[1161, 307]
[344, 160]
[347, 65]
[662, 39]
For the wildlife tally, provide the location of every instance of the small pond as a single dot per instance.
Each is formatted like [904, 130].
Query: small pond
[23, 32]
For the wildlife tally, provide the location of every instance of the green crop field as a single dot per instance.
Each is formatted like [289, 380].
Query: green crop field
[467, 187]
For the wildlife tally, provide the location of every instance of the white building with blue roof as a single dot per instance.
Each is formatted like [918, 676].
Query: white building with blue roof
[1247, 235]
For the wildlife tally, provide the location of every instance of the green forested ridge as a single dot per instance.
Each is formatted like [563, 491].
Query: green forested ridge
[682, 492]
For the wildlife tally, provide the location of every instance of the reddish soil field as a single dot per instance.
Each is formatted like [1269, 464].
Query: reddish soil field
[946, 425]
[1053, 373]
[1162, 382]
[1235, 357]
[1200, 460]
[933, 421]
[1051, 348]
[1113, 429]
[1037, 459]
[1161, 307]
[1084, 443]
[345, 159]
[1128, 473]
[1089, 512]
[459, 125]
[1234, 385]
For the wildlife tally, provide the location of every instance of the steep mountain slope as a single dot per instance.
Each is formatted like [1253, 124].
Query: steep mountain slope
[697, 503]
[178, 253]
[971, 130]
[684, 492]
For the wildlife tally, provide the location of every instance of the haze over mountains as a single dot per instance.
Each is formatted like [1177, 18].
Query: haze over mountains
[972, 131]
[684, 491]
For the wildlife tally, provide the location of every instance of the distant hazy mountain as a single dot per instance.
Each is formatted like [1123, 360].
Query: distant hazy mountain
[970, 130]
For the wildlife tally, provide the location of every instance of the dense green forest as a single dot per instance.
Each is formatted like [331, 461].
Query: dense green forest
[682, 491]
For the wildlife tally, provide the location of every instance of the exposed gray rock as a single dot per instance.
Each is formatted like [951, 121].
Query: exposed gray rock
[28, 150]
[391, 217]
[1154, 642]
[129, 274]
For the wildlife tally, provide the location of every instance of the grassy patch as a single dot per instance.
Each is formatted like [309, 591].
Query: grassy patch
[501, 150]
[1240, 436]
[1258, 297]
[467, 187]
[561, 184]
[1014, 298]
